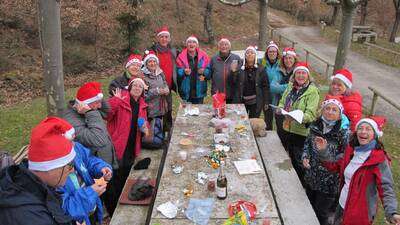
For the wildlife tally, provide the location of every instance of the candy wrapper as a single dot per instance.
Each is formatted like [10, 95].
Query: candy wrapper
[249, 209]
[219, 104]
[237, 219]
[215, 158]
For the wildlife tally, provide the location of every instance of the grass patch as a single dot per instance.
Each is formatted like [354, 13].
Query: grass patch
[373, 53]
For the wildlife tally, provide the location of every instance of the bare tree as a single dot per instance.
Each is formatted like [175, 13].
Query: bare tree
[363, 18]
[263, 27]
[207, 22]
[178, 10]
[397, 20]
[50, 42]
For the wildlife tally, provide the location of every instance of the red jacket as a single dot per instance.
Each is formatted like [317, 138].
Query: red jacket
[167, 66]
[371, 179]
[118, 123]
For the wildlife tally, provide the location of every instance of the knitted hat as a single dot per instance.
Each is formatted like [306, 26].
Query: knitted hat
[192, 38]
[133, 58]
[163, 30]
[333, 100]
[272, 45]
[89, 93]
[48, 148]
[376, 122]
[150, 55]
[250, 48]
[224, 40]
[68, 129]
[289, 51]
[345, 76]
[302, 66]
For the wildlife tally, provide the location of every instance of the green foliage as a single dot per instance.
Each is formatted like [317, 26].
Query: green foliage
[130, 23]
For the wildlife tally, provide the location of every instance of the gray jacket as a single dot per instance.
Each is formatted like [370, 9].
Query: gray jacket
[220, 69]
[91, 131]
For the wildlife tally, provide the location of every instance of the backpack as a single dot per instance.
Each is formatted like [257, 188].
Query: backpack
[155, 139]
[5, 159]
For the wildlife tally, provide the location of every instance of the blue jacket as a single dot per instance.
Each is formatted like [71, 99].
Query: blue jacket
[79, 202]
[274, 77]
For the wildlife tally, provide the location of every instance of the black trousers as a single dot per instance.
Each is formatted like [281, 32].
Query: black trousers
[268, 116]
[110, 196]
[293, 144]
[279, 126]
[251, 110]
[323, 205]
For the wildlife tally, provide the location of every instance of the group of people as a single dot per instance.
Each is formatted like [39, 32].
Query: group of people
[336, 153]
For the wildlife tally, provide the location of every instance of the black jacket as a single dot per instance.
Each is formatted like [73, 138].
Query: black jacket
[262, 88]
[119, 82]
[25, 200]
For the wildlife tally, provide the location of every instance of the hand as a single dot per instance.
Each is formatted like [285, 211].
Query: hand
[146, 130]
[165, 91]
[118, 93]
[266, 106]
[395, 219]
[188, 71]
[82, 108]
[306, 163]
[83, 223]
[202, 78]
[234, 66]
[99, 189]
[288, 118]
[200, 71]
[320, 143]
[107, 173]
[278, 111]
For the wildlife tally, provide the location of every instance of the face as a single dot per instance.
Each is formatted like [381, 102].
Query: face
[224, 47]
[136, 90]
[337, 87]
[163, 39]
[272, 53]
[191, 46]
[331, 112]
[289, 61]
[250, 57]
[134, 69]
[365, 133]
[58, 176]
[95, 105]
[301, 77]
[152, 64]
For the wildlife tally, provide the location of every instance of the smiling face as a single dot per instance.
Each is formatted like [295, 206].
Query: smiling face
[365, 133]
[191, 45]
[289, 61]
[337, 87]
[136, 89]
[163, 39]
[331, 112]
[250, 57]
[151, 65]
[224, 47]
[301, 77]
[272, 53]
[134, 68]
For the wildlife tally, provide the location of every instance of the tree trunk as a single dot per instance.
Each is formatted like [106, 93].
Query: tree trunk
[50, 42]
[263, 27]
[345, 36]
[334, 15]
[395, 26]
[178, 11]
[363, 18]
[207, 22]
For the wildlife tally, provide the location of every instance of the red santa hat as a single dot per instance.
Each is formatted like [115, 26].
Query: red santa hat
[89, 92]
[272, 45]
[192, 38]
[223, 39]
[133, 58]
[69, 130]
[376, 122]
[302, 66]
[150, 55]
[289, 51]
[253, 49]
[333, 100]
[163, 30]
[345, 76]
[48, 148]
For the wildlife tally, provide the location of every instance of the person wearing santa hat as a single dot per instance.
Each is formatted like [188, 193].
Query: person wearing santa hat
[133, 67]
[322, 186]
[126, 124]
[342, 86]
[365, 175]
[251, 84]
[271, 62]
[27, 191]
[86, 114]
[301, 94]
[220, 66]
[192, 73]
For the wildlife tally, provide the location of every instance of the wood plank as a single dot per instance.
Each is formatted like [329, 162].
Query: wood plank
[292, 202]
[136, 214]
[164, 221]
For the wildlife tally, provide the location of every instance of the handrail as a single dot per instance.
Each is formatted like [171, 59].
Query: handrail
[375, 99]
[382, 48]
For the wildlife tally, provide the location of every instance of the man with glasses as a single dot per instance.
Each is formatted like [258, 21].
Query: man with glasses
[27, 194]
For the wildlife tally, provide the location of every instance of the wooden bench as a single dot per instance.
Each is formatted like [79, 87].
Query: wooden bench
[291, 200]
[137, 214]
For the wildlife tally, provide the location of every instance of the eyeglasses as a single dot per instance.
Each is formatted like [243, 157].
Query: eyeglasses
[70, 165]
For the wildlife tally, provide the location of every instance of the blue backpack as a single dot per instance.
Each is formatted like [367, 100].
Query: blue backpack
[155, 139]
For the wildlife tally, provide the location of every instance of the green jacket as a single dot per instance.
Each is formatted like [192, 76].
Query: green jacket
[308, 103]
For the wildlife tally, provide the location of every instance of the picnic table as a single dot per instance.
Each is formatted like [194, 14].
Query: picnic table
[254, 188]
[363, 33]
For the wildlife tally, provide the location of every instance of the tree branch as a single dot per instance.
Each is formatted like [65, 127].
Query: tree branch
[234, 3]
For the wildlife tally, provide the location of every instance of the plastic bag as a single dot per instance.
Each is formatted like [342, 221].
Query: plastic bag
[219, 104]
[247, 207]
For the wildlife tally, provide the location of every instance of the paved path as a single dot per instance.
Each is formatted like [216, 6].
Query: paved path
[366, 72]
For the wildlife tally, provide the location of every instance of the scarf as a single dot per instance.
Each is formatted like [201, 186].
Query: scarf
[293, 95]
[161, 49]
[364, 148]
[327, 124]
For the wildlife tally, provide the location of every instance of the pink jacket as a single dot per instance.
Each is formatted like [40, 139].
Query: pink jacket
[182, 60]
[118, 122]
